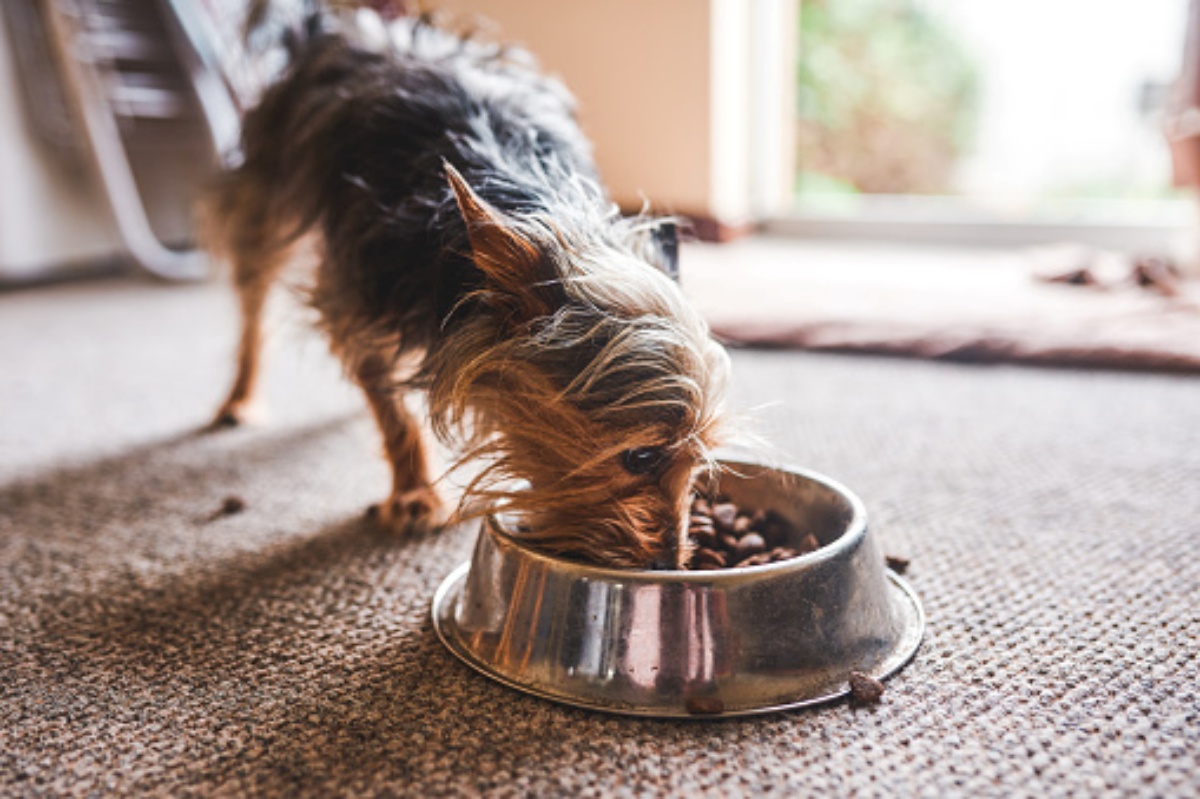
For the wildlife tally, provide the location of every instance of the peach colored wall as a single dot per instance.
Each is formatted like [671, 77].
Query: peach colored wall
[642, 73]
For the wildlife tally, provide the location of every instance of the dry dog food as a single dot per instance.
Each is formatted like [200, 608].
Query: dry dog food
[864, 689]
[231, 505]
[705, 706]
[727, 536]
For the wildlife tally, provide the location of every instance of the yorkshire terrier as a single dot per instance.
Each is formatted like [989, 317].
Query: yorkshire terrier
[464, 248]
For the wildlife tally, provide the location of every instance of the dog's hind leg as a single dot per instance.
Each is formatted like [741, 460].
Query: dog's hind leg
[240, 227]
[414, 504]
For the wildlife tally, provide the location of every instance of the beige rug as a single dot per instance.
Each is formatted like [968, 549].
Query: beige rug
[965, 305]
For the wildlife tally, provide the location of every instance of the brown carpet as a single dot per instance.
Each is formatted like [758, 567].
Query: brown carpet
[978, 306]
[148, 647]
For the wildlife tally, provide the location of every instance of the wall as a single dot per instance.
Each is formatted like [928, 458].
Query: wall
[665, 89]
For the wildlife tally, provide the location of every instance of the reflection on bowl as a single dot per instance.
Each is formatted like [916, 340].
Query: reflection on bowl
[689, 643]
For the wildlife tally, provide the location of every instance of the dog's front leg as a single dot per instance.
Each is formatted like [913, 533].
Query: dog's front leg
[414, 504]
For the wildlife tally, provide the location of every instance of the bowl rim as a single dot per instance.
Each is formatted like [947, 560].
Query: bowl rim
[856, 528]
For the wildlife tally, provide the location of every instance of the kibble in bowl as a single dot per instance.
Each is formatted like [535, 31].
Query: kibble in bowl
[727, 536]
[782, 623]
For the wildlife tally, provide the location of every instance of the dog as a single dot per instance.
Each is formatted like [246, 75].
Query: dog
[464, 248]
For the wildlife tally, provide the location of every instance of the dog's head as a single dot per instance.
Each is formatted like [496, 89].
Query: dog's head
[582, 372]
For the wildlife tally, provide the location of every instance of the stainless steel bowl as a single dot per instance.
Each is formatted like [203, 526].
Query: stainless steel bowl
[690, 643]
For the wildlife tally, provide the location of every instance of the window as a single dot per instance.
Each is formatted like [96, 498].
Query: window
[972, 120]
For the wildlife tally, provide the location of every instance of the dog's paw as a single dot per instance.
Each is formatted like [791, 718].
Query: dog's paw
[235, 414]
[417, 510]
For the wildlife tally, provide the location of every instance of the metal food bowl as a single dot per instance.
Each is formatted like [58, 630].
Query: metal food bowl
[718, 643]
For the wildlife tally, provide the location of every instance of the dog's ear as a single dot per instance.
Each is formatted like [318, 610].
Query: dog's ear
[666, 239]
[511, 263]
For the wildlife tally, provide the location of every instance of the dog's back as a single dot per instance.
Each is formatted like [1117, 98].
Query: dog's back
[351, 143]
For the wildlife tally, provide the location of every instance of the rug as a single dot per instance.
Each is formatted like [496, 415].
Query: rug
[976, 306]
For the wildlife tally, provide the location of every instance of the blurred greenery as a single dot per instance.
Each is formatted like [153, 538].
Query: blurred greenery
[887, 97]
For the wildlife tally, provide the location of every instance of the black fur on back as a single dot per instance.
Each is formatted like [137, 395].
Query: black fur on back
[353, 141]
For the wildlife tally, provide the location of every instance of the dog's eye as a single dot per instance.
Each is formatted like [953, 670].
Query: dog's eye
[643, 460]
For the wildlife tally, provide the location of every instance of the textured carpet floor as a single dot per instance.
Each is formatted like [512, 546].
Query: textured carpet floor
[148, 646]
